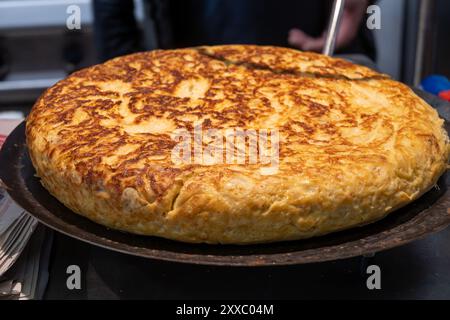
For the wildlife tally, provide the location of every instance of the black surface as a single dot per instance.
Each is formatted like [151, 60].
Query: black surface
[419, 270]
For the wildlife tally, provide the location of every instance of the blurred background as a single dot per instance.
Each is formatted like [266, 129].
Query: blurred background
[37, 48]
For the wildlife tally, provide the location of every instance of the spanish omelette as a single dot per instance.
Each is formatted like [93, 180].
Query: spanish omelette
[354, 145]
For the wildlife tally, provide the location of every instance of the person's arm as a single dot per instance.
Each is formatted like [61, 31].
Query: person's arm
[353, 14]
[116, 30]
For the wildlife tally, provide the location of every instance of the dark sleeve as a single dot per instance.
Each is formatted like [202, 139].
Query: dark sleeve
[115, 28]
[162, 15]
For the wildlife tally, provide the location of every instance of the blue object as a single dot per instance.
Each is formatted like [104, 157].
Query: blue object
[435, 84]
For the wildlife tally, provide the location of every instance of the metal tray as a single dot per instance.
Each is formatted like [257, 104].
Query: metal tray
[428, 214]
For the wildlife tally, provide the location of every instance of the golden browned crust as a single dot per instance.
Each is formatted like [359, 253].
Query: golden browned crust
[354, 144]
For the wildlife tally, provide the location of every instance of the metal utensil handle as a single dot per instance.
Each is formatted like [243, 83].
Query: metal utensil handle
[333, 27]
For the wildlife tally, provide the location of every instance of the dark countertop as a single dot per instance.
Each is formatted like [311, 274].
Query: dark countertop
[420, 270]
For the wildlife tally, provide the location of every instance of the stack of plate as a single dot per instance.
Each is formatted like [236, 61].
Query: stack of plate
[16, 228]
[24, 251]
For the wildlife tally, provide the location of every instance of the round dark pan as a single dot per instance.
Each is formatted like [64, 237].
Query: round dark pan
[429, 214]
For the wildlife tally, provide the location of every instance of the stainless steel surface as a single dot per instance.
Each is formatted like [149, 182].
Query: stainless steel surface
[424, 38]
[41, 13]
[18, 83]
[333, 27]
[24, 87]
[38, 57]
